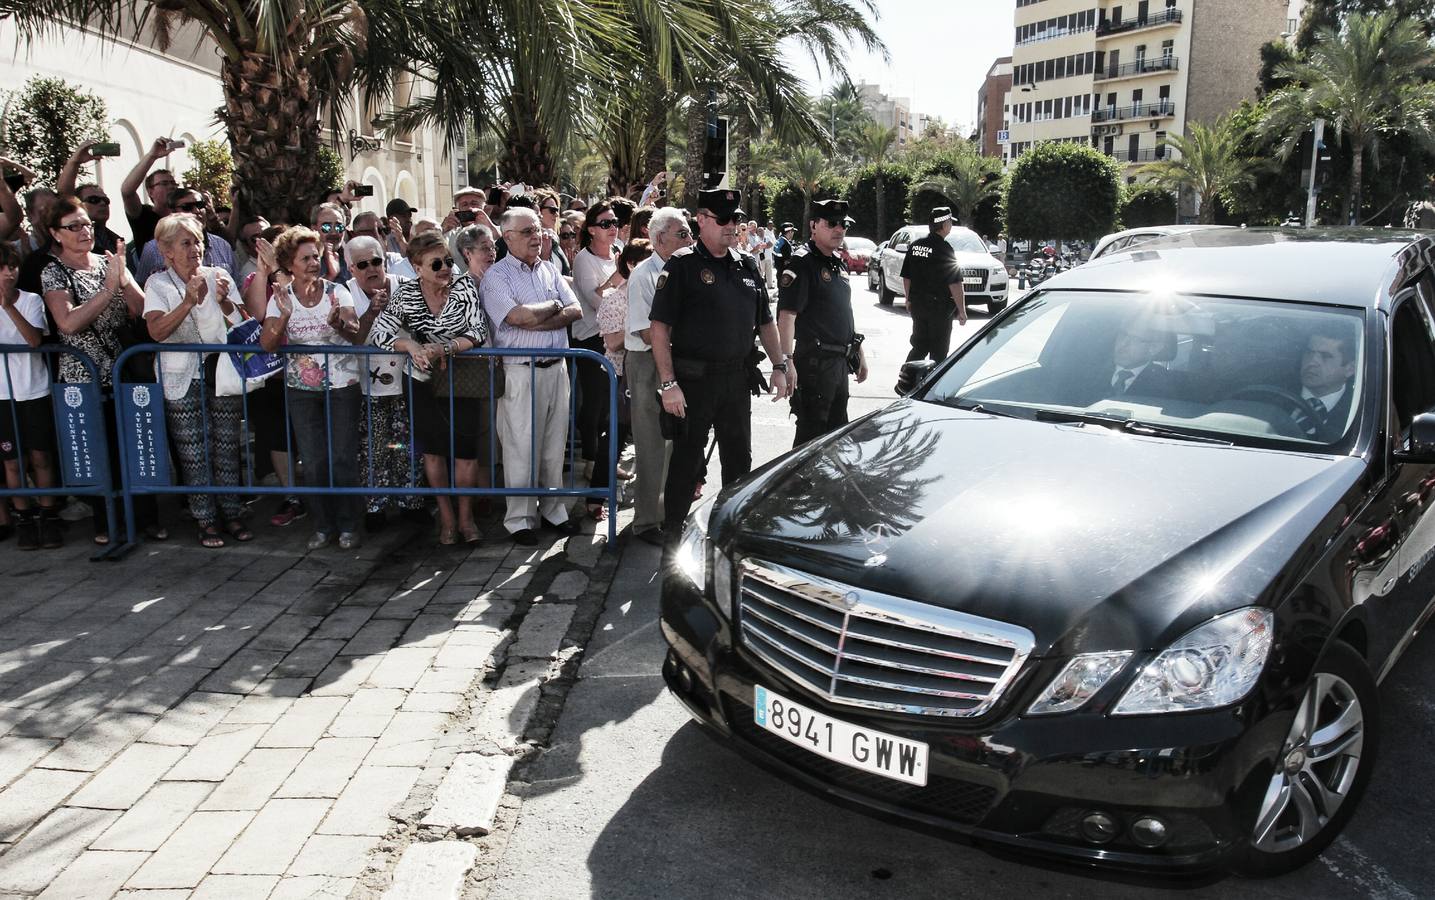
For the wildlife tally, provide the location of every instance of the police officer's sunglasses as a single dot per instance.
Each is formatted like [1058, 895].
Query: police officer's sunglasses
[835, 223]
[726, 219]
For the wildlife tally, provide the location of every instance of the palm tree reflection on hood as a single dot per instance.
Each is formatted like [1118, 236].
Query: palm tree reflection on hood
[861, 485]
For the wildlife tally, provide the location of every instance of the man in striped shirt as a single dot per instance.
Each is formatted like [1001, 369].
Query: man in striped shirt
[531, 306]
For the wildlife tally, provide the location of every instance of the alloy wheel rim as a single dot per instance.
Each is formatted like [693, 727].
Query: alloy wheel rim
[1316, 767]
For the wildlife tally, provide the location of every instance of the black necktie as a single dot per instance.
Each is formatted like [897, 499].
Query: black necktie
[1123, 379]
[1315, 420]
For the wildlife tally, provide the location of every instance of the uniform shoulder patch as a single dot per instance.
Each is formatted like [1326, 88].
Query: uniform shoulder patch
[788, 277]
[662, 280]
[685, 251]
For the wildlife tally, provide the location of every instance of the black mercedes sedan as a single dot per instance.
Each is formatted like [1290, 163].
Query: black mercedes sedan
[1117, 581]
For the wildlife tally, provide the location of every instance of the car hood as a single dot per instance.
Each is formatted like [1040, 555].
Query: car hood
[1090, 538]
[978, 261]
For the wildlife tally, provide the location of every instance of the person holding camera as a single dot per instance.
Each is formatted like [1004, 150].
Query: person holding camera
[158, 184]
[96, 201]
[814, 320]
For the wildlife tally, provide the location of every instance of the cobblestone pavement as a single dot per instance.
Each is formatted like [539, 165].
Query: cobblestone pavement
[260, 722]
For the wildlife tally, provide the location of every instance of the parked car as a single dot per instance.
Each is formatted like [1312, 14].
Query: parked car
[1132, 623]
[857, 252]
[984, 279]
[874, 267]
[1131, 237]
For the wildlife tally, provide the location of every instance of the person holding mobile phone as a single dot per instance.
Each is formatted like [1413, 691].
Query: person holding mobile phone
[157, 184]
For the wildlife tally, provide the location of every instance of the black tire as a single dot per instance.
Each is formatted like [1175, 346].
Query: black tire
[1344, 665]
[884, 296]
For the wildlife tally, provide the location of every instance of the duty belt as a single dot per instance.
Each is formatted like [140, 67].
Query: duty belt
[816, 346]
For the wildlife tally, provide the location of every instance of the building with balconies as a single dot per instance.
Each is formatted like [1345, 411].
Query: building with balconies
[1124, 76]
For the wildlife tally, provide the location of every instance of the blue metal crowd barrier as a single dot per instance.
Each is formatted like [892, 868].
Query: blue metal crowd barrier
[145, 469]
[82, 448]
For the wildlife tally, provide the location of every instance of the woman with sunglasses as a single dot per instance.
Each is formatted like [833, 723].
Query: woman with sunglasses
[570, 226]
[431, 320]
[189, 303]
[595, 271]
[92, 300]
[323, 388]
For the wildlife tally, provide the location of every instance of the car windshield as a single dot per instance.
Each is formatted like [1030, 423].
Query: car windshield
[964, 241]
[1238, 370]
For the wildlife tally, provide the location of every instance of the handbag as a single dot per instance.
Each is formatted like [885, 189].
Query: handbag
[247, 368]
[471, 377]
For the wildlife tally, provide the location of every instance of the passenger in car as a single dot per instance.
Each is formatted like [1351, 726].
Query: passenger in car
[1139, 363]
[1327, 371]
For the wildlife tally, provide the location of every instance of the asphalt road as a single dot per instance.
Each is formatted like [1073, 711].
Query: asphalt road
[633, 800]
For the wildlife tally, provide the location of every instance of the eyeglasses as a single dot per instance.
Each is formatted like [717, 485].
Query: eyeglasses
[77, 227]
[552, 209]
[836, 223]
[438, 265]
[727, 219]
[567, 235]
[103, 201]
[682, 234]
[528, 232]
[606, 223]
[195, 206]
[331, 227]
[363, 264]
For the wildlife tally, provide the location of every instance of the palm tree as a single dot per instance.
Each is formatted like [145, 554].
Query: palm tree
[873, 145]
[1369, 80]
[1208, 162]
[976, 179]
[805, 167]
[285, 64]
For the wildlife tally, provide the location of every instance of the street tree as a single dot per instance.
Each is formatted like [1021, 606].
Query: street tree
[213, 169]
[1208, 162]
[1369, 80]
[962, 179]
[877, 199]
[1145, 203]
[804, 168]
[1062, 191]
[874, 145]
[46, 120]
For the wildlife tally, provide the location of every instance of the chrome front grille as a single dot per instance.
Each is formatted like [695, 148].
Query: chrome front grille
[868, 649]
[982, 274]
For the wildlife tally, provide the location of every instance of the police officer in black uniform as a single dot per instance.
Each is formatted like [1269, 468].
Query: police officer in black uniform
[708, 301]
[814, 318]
[932, 281]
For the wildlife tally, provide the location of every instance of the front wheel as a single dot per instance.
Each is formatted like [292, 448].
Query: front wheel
[1322, 770]
[885, 297]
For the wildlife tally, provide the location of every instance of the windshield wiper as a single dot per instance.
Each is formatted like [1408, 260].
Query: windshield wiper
[970, 405]
[1130, 426]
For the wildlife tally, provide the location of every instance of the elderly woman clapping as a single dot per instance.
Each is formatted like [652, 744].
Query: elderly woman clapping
[188, 303]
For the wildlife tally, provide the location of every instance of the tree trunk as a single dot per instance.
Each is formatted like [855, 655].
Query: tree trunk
[527, 155]
[273, 123]
[1357, 170]
[697, 142]
[742, 164]
[807, 214]
[881, 204]
[1208, 209]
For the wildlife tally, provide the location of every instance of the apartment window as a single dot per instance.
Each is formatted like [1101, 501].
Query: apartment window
[1170, 4]
[1164, 93]
[1140, 52]
[1136, 96]
[1133, 148]
[1115, 15]
[1167, 48]
[1108, 146]
[1061, 67]
[1114, 63]
[1160, 145]
[1143, 10]
[1066, 107]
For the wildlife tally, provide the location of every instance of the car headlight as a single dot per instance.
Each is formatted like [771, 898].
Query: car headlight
[1213, 665]
[1082, 677]
[691, 555]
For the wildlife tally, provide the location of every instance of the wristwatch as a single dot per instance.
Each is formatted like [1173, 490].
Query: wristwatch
[667, 386]
[780, 366]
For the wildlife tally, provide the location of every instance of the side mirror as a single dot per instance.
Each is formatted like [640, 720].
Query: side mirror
[913, 373]
[1422, 440]
[900, 248]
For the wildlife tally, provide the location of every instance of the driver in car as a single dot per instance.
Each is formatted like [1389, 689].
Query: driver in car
[1327, 373]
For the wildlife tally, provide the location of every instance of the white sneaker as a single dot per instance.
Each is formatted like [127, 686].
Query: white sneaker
[348, 540]
[319, 540]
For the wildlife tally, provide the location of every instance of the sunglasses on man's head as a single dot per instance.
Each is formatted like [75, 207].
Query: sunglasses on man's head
[438, 265]
[363, 264]
[103, 201]
[606, 223]
[193, 206]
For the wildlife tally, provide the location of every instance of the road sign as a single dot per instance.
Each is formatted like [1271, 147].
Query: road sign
[1003, 137]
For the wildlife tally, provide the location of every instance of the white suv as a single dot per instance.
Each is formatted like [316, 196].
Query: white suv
[984, 278]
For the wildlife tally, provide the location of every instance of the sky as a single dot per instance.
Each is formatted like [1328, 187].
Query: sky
[940, 52]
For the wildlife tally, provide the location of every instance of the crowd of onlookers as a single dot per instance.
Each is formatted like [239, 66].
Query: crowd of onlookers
[506, 267]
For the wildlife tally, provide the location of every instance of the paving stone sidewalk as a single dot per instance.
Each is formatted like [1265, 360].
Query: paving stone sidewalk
[261, 722]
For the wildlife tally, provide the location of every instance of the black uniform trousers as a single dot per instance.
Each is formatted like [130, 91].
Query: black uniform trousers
[821, 399]
[718, 399]
[931, 328]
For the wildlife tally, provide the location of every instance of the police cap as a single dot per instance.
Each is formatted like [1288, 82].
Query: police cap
[939, 215]
[832, 210]
[788, 226]
[721, 202]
